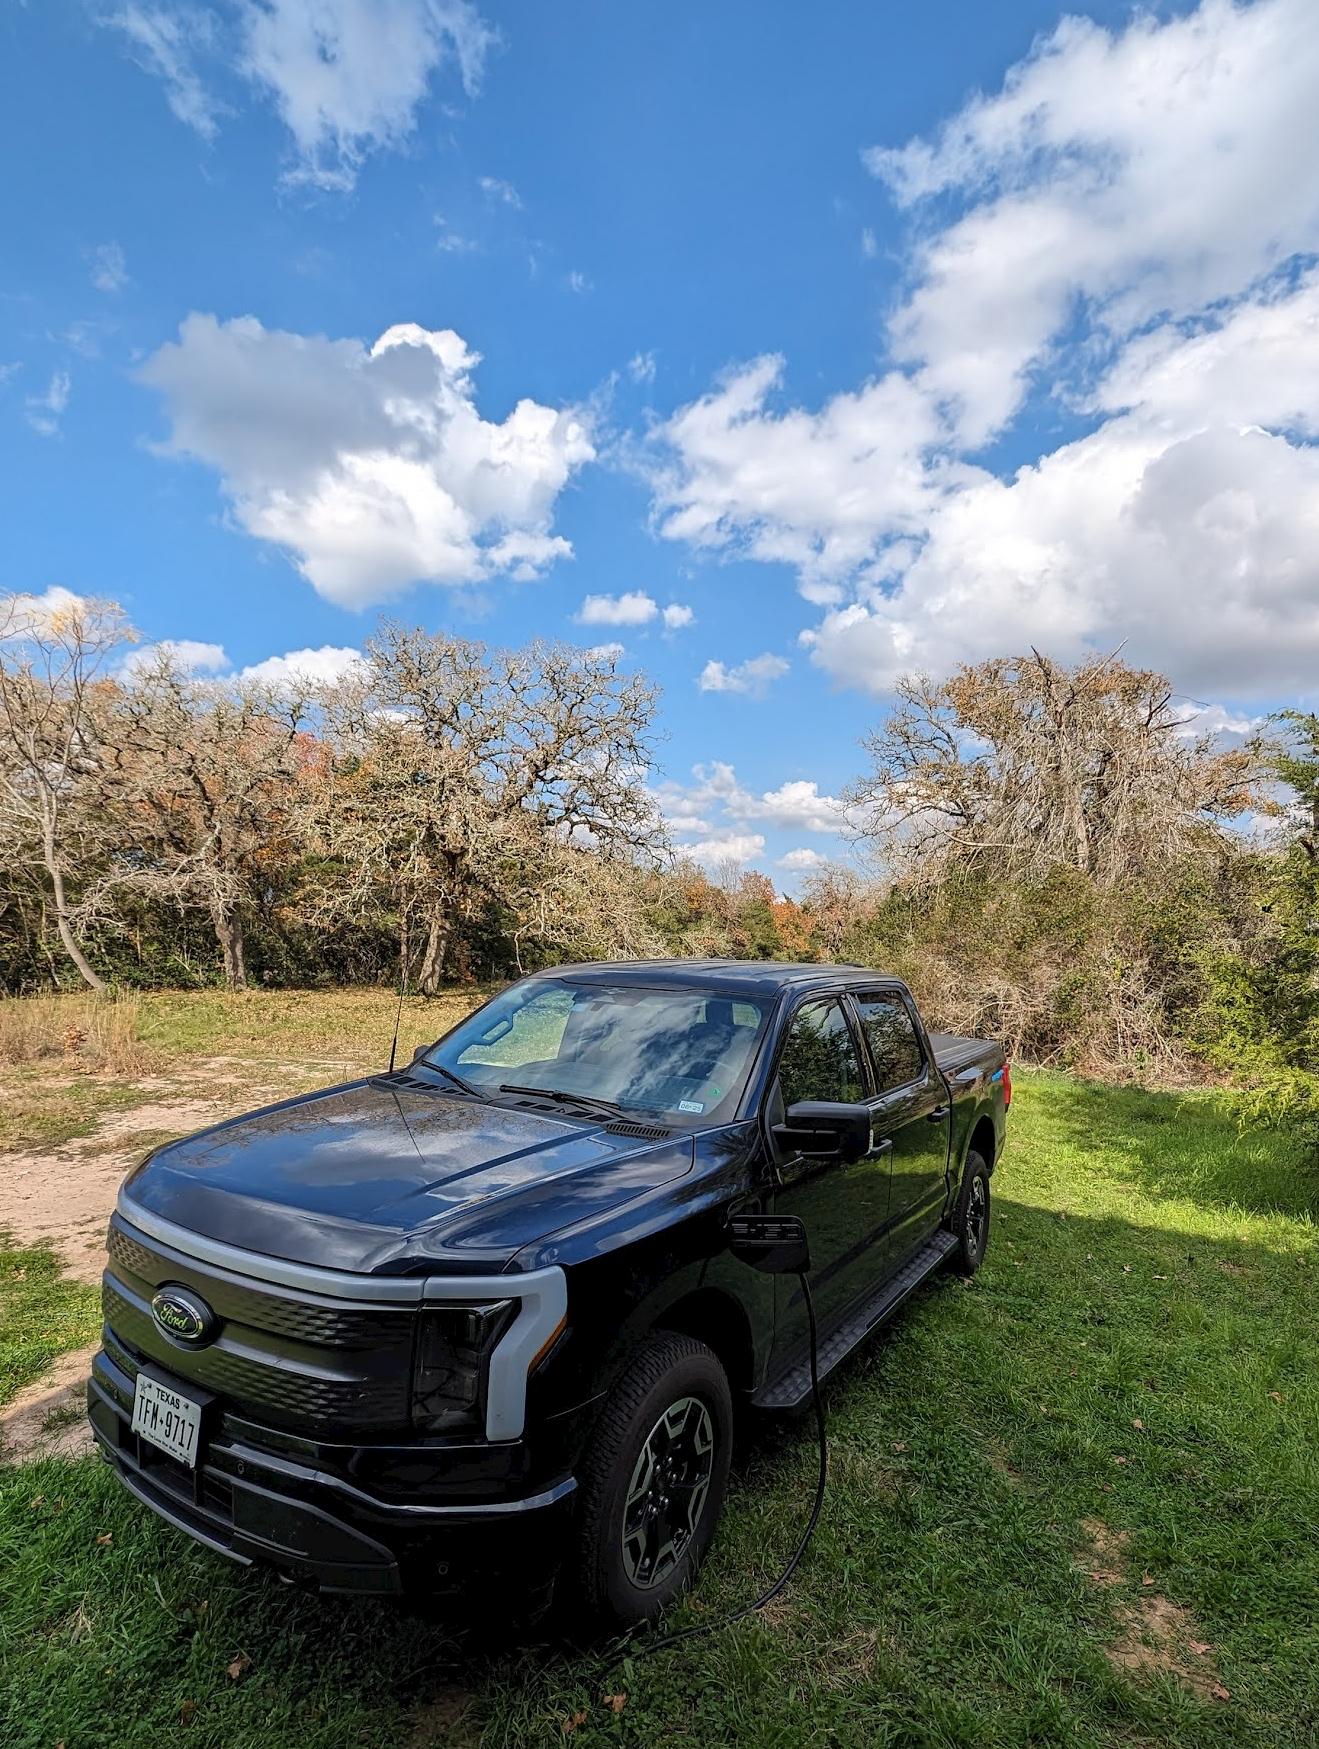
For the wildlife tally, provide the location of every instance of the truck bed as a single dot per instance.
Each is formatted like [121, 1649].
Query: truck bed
[956, 1055]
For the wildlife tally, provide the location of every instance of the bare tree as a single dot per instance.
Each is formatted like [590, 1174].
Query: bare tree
[204, 776]
[1021, 764]
[54, 696]
[452, 768]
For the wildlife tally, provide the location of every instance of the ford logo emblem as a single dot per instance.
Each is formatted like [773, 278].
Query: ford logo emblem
[183, 1315]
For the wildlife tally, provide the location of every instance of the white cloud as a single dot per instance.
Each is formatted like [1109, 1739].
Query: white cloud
[716, 798]
[825, 492]
[372, 466]
[44, 411]
[1143, 173]
[185, 654]
[1187, 525]
[1217, 720]
[503, 193]
[452, 242]
[633, 609]
[753, 677]
[869, 244]
[737, 847]
[109, 269]
[168, 40]
[348, 76]
[677, 615]
[802, 860]
[610, 652]
[321, 666]
[1182, 334]
[641, 367]
[27, 615]
[578, 282]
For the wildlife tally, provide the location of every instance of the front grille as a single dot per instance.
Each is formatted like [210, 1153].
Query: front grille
[299, 1361]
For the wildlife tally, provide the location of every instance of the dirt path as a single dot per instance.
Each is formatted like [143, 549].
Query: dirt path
[62, 1197]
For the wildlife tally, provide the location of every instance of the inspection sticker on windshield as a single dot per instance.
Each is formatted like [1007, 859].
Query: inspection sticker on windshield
[690, 1105]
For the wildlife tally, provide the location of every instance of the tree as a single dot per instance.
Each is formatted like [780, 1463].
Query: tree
[1020, 764]
[452, 768]
[204, 776]
[54, 697]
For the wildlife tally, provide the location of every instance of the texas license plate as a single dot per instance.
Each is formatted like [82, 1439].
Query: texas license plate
[167, 1418]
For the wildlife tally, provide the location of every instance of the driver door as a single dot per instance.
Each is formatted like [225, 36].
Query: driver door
[843, 1204]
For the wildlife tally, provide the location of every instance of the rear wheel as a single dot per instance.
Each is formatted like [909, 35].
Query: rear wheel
[971, 1217]
[653, 1481]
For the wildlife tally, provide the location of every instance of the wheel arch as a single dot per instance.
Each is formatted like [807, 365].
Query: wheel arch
[719, 1321]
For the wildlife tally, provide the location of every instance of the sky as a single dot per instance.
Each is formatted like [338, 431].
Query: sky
[787, 349]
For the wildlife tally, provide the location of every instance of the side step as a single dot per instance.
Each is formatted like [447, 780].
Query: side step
[793, 1388]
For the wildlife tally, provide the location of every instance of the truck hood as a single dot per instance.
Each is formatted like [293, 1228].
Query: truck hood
[397, 1175]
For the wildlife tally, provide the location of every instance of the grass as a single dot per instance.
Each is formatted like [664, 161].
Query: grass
[1139, 1356]
[34, 1113]
[42, 1315]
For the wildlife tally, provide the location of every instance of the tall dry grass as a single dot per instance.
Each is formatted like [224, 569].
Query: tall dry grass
[100, 1033]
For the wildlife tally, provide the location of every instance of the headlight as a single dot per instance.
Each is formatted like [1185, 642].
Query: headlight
[454, 1345]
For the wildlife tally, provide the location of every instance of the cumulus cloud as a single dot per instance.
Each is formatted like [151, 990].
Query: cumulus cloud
[676, 615]
[29, 615]
[736, 847]
[186, 654]
[370, 465]
[1180, 333]
[1068, 175]
[635, 608]
[753, 677]
[801, 860]
[715, 798]
[44, 411]
[109, 268]
[322, 666]
[641, 367]
[610, 652]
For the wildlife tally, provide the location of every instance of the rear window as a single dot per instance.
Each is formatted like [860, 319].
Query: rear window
[891, 1034]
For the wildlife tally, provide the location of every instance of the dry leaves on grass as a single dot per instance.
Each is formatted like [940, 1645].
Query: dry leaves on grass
[1156, 1636]
[238, 1667]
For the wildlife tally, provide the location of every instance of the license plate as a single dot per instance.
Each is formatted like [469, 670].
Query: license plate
[167, 1418]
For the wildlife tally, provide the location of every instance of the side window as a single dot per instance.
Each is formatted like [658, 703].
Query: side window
[892, 1038]
[819, 1059]
[531, 1035]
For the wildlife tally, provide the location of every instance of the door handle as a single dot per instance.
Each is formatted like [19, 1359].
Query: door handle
[938, 1115]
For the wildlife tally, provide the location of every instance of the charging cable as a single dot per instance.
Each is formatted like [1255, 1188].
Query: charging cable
[648, 1647]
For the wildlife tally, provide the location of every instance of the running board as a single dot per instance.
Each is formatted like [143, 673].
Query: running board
[793, 1388]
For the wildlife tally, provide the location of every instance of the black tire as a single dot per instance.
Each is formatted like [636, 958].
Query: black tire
[614, 1585]
[971, 1216]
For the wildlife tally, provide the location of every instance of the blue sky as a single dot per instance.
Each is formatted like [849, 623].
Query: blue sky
[873, 337]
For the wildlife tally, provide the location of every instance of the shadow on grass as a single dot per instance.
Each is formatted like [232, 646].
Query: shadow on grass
[1192, 1145]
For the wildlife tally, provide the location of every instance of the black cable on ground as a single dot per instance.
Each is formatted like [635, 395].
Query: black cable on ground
[648, 1647]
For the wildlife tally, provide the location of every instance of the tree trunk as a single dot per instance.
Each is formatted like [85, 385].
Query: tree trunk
[229, 934]
[67, 936]
[432, 959]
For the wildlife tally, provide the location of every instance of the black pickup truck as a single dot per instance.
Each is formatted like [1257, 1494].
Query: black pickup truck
[487, 1316]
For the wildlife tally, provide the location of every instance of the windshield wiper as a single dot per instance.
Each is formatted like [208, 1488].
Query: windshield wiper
[457, 1080]
[557, 1095]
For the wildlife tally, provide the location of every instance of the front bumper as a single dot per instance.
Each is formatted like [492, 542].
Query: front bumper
[262, 1507]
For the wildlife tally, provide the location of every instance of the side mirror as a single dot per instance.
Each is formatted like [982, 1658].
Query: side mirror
[826, 1129]
[420, 1052]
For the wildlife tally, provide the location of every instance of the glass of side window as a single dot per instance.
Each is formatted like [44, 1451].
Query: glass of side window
[819, 1059]
[891, 1035]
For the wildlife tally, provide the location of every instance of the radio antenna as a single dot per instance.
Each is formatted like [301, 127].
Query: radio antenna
[398, 1012]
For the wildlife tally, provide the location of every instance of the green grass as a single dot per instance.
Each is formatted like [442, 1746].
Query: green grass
[1149, 1265]
[42, 1315]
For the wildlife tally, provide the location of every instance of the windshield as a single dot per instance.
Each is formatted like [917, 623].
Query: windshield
[677, 1052]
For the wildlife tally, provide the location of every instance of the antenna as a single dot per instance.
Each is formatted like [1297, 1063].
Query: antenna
[398, 1012]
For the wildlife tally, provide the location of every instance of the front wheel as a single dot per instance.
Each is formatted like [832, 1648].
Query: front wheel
[652, 1482]
[971, 1216]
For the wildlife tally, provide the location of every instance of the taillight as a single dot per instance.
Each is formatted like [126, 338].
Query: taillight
[1007, 1085]
[454, 1345]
